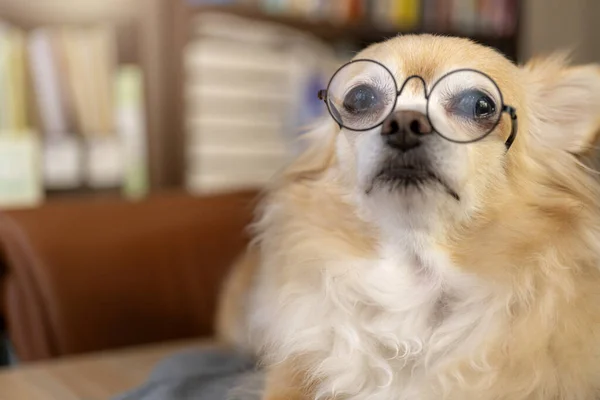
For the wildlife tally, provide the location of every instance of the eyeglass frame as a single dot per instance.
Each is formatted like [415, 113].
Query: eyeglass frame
[511, 111]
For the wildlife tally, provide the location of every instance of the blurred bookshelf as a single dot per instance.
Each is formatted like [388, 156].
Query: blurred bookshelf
[77, 119]
[492, 22]
[227, 137]
[126, 97]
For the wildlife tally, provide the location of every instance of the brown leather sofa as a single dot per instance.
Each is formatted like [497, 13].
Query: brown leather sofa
[87, 275]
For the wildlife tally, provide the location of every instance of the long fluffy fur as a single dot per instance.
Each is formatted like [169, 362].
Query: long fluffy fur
[501, 304]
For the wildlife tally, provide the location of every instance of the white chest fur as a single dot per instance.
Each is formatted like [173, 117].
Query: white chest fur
[376, 329]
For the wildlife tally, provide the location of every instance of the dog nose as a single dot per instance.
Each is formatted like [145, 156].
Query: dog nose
[403, 130]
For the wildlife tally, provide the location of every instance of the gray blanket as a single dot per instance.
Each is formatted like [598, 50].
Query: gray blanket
[209, 374]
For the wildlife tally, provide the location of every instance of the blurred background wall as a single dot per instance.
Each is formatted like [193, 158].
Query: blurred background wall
[550, 25]
[208, 95]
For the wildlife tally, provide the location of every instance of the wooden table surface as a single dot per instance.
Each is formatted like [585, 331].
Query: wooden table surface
[88, 377]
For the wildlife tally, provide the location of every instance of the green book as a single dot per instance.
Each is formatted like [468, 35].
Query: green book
[20, 171]
[131, 127]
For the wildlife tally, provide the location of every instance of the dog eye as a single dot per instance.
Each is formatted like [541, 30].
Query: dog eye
[360, 99]
[474, 104]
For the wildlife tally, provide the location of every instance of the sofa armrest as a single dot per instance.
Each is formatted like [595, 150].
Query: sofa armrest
[89, 275]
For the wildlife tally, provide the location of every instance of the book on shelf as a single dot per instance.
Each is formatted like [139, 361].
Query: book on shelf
[131, 125]
[464, 16]
[17, 85]
[20, 170]
[61, 152]
[48, 88]
[405, 13]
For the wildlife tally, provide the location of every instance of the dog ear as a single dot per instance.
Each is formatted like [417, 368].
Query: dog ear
[318, 144]
[565, 102]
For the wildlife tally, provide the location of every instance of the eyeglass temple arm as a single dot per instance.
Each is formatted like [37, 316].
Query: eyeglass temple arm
[514, 125]
[322, 94]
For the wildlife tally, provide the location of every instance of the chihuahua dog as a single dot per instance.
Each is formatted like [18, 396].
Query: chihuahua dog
[438, 239]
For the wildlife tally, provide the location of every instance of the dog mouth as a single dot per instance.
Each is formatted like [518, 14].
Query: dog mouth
[410, 177]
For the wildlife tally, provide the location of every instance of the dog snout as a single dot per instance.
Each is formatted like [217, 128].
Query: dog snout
[403, 130]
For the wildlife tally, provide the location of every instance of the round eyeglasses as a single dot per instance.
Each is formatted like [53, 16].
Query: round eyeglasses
[463, 106]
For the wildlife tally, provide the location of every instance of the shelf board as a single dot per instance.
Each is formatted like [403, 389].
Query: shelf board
[83, 191]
